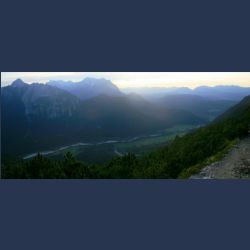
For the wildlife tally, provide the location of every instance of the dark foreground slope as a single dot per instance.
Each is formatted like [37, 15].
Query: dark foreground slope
[182, 158]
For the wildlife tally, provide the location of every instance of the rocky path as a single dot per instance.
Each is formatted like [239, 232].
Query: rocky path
[235, 165]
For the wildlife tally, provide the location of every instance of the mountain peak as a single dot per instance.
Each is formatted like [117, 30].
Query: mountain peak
[18, 83]
[88, 87]
[96, 81]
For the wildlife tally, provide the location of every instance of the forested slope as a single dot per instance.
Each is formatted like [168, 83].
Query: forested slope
[183, 157]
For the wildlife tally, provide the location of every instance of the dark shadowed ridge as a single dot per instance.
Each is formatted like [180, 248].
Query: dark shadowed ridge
[241, 107]
[198, 105]
[41, 116]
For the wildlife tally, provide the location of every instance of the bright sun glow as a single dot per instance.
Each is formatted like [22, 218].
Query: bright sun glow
[138, 79]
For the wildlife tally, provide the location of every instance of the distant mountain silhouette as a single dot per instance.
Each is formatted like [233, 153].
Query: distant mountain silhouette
[232, 93]
[153, 93]
[236, 93]
[18, 83]
[87, 88]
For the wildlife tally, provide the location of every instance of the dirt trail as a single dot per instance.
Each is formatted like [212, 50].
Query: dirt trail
[235, 165]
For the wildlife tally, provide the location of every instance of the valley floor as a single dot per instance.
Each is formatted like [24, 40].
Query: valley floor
[103, 151]
[235, 164]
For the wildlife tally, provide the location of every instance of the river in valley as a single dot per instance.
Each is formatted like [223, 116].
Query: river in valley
[48, 152]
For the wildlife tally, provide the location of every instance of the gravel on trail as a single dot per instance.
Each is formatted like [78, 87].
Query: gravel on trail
[235, 164]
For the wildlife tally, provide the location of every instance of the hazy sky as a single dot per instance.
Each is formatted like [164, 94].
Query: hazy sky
[138, 79]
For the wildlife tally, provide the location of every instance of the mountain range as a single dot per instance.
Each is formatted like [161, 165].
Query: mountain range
[88, 87]
[227, 92]
[205, 102]
[40, 116]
